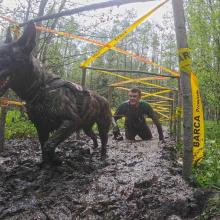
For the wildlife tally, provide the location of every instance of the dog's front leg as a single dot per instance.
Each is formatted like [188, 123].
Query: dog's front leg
[43, 136]
[65, 130]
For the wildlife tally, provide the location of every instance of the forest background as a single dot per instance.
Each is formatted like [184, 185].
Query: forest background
[153, 40]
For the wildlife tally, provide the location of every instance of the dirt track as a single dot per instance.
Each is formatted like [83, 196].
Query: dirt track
[139, 180]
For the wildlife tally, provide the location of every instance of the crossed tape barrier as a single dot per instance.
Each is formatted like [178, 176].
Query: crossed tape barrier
[110, 44]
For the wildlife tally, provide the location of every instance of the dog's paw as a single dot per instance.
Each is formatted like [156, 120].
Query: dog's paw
[103, 157]
[52, 159]
[57, 161]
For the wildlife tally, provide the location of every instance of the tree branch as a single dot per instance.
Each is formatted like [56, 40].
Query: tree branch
[130, 71]
[86, 8]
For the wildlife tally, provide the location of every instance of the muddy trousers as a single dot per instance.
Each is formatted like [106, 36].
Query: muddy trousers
[142, 130]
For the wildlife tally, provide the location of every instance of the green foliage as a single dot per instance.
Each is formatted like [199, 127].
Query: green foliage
[207, 172]
[203, 39]
[95, 127]
[212, 130]
[212, 210]
[179, 146]
[17, 126]
[120, 123]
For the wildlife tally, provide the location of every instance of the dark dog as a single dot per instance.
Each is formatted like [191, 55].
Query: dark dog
[52, 103]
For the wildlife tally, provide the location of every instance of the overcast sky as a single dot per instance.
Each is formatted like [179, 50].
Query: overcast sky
[141, 7]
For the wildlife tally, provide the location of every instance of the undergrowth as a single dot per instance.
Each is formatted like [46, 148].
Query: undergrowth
[17, 126]
[206, 174]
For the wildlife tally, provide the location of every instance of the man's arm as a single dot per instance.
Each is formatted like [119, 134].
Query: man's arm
[116, 131]
[159, 127]
[118, 115]
[114, 122]
[148, 110]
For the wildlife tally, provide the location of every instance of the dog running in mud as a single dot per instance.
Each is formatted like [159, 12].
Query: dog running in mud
[52, 103]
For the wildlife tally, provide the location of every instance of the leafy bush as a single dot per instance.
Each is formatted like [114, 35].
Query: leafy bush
[212, 210]
[207, 172]
[212, 130]
[18, 126]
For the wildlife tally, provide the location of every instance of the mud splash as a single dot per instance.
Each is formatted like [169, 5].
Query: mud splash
[139, 180]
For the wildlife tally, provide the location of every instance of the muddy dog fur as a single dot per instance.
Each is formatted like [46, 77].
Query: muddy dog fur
[51, 102]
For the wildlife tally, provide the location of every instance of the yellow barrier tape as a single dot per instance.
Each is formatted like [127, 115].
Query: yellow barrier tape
[162, 101]
[198, 121]
[5, 102]
[120, 37]
[98, 43]
[159, 96]
[160, 110]
[184, 60]
[180, 111]
[134, 80]
[147, 78]
[163, 115]
[15, 103]
[160, 107]
[156, 93]
[163, 105]
[113, 48]
[173, 116]
[16, 30]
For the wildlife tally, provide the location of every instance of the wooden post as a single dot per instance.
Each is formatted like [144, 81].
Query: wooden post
[174, 114]
[171, 115]
[185, 81]
[179, 113]
[6, 95]
[83, 77]
[83, 84]
[110, 91]
[2, 123]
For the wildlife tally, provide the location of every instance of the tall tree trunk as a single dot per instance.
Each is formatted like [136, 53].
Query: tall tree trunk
[2, 123]
[50, 35]
[179, 113]
[4, 113]
[185, 80]
[42, 6]
[28, 11]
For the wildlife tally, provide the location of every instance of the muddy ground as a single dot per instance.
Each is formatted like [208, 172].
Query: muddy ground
[138, 180]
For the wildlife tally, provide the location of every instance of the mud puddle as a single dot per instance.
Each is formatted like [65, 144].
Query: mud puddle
[139, 180]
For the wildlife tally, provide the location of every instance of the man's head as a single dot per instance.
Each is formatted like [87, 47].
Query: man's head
[135, 96]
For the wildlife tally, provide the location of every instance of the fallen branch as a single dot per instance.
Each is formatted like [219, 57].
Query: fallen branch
[85, 8]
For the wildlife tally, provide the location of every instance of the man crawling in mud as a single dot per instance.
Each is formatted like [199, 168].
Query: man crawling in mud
[134, 111]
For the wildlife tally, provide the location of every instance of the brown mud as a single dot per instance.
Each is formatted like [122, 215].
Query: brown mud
[139, 180]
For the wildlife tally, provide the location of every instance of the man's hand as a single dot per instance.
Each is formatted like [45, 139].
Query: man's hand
[159, 128]
[117, 134]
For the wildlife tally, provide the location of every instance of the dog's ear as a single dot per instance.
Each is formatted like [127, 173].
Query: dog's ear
[27, 40]
[8, 38]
